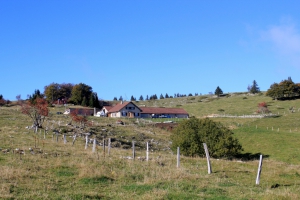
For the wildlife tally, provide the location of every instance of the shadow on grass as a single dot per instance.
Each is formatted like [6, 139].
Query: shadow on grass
[250, 156]
[276, 185]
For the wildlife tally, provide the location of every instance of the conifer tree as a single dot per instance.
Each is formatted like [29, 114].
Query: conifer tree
[84, 102]
[141, 98]
[218, 91]
[254, 88]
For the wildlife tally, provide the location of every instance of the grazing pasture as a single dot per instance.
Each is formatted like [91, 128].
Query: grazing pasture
[53, 169]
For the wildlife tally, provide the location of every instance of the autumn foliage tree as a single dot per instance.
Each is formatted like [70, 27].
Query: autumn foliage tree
[81, 119]
[262, 108]
[37, 110]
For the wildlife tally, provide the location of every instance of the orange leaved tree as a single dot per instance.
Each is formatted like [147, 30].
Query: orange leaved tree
[81, 119]
[37, 111]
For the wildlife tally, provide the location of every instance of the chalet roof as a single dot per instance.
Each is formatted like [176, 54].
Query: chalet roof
[121, 105]
[108, 107]
[157, 110]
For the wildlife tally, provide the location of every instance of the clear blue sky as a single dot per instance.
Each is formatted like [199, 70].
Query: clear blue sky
[146, 47]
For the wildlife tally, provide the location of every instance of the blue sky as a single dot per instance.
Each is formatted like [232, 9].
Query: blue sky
[143, 47]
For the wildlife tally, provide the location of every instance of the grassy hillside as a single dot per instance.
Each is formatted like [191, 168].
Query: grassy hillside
[63, 171]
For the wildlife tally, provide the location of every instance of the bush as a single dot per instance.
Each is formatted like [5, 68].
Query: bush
[190, 135]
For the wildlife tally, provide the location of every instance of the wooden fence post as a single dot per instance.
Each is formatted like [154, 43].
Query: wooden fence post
[74, 138]
[207, 158]
[94, 145]
[147, 152]
[104, 148]
[133, 150]
[108, 148]
[259, 170]
[65, 139]
[178, 157]
[86, 141]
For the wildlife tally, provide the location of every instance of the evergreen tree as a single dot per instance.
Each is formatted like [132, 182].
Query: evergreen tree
[79, 91]
[84, 102]
[218, 91]
[161, 96]
[115, 99]
[92, 101]
[132, 98]
[97, 103]
[254, 88]
[37, 94]
[141, 98]
[166, 96]
[147, 98]
[121, 98]
[2, 100]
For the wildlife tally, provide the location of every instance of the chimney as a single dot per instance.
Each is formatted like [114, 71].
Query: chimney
[122, 102]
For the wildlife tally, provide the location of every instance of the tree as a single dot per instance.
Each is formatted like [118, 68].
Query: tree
[218, 91]
[97, 102]
[37, 111]
[80, 91]
[37, 94]
[55, 91]
[141, 98]
[254, 88]
[283, 90]
[167, 96]
[262, 108]
[82, 120]
[115, 99]
[84, 102]
[2, 100]
[92, 101]
[190, 135]
[132, 98]
[249, 88]
[161, 96]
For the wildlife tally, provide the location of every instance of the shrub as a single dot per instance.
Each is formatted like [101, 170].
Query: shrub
[262, 108]
[190, 135]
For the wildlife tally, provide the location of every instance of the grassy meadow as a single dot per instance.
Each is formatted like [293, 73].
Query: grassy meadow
[55, 170]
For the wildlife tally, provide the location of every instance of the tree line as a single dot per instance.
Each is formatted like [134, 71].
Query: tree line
[286, 89]
[78, 94]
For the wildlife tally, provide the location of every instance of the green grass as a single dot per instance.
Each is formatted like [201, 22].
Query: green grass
[70, 172]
